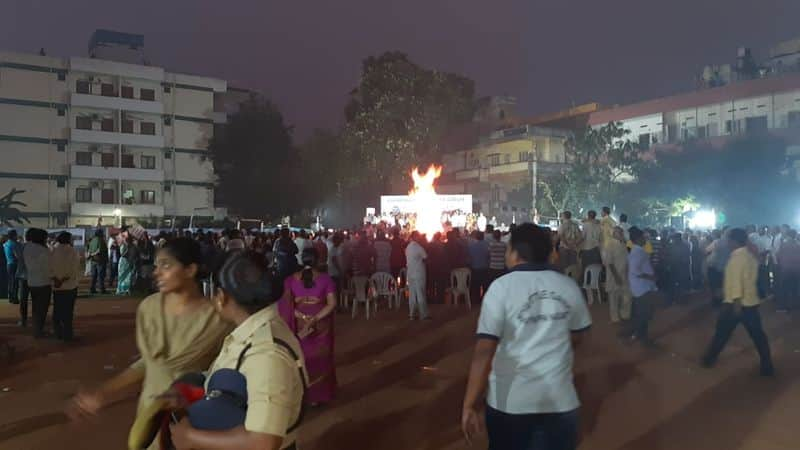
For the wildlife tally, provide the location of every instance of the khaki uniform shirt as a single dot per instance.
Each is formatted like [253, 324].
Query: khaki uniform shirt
[274, 385]
[616, 253]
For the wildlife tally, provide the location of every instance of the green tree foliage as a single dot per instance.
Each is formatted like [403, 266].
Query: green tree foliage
[253, 160]
[748, 179]
[600, 163]
[10, 214]
[397, 116]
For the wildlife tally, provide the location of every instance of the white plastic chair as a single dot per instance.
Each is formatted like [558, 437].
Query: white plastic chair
[591, 282]
[361, 294]
[460, 280]
[384, 285]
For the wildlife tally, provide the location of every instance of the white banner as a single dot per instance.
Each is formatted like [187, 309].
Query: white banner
[393, 204]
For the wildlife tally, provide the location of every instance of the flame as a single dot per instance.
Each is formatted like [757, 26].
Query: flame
[426, 204]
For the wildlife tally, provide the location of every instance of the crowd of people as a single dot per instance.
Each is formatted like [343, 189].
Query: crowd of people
[274, 298]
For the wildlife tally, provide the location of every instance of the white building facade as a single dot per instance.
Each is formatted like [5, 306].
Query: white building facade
[88, 138]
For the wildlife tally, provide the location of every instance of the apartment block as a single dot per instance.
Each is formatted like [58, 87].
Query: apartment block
[88, 138]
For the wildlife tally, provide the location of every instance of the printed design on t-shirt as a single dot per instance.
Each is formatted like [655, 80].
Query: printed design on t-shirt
[535, 309]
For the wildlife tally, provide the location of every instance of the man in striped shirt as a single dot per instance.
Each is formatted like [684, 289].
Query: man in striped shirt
[497, 256]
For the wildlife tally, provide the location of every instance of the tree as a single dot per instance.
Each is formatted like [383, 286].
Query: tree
[252, 161]
[10, 215]
[599, 162]
[748, 179]
[397, 115]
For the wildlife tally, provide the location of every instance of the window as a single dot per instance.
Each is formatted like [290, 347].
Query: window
[644, 140]
[756, 124]
[83, 195]
[62, 76]
[61, 182]
[167, 187]
[702, 132]
[107, 90]
[148, 162]
[523, 156]
[127, 161]
[83, 87]
[83, 123]
[147, 128]
[107, 196]
[61, 147]
[83, 159]
[167, 120]
[107, 125]
[127, 197]
[507, 159]
[61, 112]
[127, 126]
[167, 89]
[147, 197]
[147, 94]
[168, 155]
[61, 220]
[107, 160]
[126, 91]
[494, 160]
[794, 119]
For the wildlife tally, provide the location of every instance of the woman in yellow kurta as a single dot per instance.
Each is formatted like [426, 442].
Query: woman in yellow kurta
[177, 332]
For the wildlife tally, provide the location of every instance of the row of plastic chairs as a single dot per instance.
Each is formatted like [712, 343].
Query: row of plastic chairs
[369, 290]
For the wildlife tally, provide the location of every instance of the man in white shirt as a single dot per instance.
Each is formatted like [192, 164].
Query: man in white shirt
[415, 262]
[524, 354]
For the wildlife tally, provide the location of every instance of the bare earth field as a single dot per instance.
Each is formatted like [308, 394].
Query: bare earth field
[401, 384]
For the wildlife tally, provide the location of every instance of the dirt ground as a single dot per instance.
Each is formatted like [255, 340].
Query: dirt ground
[401, 384]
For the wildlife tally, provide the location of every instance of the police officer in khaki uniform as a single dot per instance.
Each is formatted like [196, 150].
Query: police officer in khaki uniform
[266, 352]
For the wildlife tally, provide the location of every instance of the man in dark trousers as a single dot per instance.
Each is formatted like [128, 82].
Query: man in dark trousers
[740, 303]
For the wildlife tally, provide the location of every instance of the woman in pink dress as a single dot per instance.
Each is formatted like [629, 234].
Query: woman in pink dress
[307, 306]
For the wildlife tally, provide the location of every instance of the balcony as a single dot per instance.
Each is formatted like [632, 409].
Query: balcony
[116, 173]
[110, 210]
[115, 102]
[114, 138]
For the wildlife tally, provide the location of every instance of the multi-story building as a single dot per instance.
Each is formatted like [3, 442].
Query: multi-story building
[500, 170]
[88, 138]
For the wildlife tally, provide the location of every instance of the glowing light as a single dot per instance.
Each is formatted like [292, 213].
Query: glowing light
[117, 212]
[703, 219]
[426, 205]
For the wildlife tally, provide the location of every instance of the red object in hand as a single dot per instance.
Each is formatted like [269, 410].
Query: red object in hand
[190, 392]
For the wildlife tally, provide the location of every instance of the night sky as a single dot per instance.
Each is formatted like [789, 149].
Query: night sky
[306, 55]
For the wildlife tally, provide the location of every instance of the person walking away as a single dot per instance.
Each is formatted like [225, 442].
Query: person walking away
[590, 247]
[363, 256]
[127, 264]
[11, 251]
[570, 239]
[285, 254]
[679, 262]
[264, 350]
[37, 265]
[615, 256]
[789, 264]
[415, 257]
[479, 264]
[741, 304]
[321, 247]
[642, 282]
[530, 321]
[65, 264]
[307, 306]
[22, 282]
[383, 253]
[177, 331]
[98, 257]
[497, 257]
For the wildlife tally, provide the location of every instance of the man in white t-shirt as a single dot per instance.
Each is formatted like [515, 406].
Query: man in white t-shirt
[415, 263]
[527, 328]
